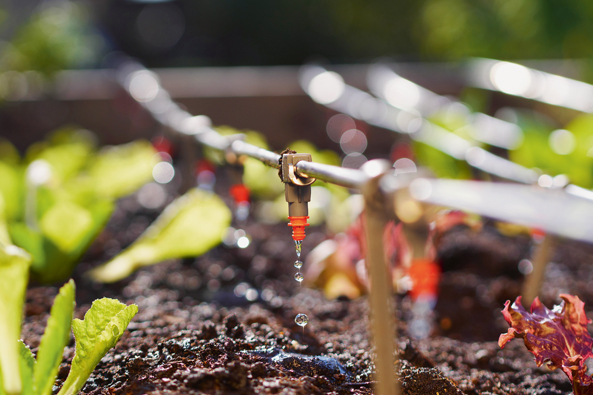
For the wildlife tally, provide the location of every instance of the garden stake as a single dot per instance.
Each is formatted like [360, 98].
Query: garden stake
[382, 317]
[541, 256]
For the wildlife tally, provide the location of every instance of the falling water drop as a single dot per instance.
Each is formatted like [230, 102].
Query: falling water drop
[298, 244]
[299, 276]
[301, 320]
[298, 264]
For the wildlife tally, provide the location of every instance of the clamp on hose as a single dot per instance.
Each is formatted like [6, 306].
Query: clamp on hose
[297, 191]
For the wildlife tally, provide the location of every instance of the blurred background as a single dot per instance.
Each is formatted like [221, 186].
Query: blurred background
[41, 38]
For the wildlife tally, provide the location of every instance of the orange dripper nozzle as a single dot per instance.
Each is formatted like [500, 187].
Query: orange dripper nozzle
[298, 227]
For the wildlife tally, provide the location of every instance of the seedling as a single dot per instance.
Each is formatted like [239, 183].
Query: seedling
[190, 226]
[557, 337]
[69, 192]
[103, 325]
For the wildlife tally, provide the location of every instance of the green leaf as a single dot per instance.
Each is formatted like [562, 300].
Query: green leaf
[122, 169]
[54, 262]
[14, 275]
[190, 226]
[11, 189]
[55, 338]
[66, 224]
[30, 240]
[100, 330]
[68, 153]
[27, 365]
[4, 237]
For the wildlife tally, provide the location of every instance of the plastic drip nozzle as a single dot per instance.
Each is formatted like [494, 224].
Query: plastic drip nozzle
[425, 275]
[298, 227]
[240, 193]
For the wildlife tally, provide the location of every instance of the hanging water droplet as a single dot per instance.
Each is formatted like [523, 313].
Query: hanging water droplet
[299, 277]
[298, 264]
[298, 244]
[301, 320]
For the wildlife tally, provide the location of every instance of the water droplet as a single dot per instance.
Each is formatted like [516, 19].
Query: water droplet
[298, 264]
[299, 276]
[301, 320]
[298, 244]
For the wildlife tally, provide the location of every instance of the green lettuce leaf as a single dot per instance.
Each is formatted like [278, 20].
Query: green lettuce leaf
[4, 237]
[120, 170]
[190, 226]
[66, 224]
[55, 338]
[14, 275]
[27, 365]
[102, 327]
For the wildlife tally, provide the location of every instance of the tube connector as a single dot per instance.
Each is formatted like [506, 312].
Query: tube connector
[297, 191]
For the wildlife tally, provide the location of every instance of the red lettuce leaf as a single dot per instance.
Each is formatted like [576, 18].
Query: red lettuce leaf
[557, 337]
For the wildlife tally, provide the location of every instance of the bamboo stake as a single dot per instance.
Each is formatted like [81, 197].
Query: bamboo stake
[381, 317]
[541, 256]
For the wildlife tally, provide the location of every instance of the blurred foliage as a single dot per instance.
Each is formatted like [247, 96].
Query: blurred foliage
[56, 37]
[228, 32]
[56, 218]
[190, 226]
[536, 151]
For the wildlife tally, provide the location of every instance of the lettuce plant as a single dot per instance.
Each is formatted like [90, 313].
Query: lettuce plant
[60, 197]
[20, 373]
[557, 337]
[190, 226]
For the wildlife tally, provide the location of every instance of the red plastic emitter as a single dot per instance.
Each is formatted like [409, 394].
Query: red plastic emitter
[425, 275]
[298, 227]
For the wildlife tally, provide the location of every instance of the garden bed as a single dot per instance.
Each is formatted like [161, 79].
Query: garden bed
[224, 322]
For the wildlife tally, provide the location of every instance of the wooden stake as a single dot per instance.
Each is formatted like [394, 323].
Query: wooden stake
[541, 256]
[381, 317]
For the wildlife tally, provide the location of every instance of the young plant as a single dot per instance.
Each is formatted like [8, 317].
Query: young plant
[69, 190]
[190, 226]
[20, 373]
[557, 337]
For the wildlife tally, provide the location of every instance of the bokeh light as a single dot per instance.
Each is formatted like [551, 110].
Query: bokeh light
[337, 125]
[562, 142]
[163, 172]
[353, 141]
[354, 160]
[326, 87]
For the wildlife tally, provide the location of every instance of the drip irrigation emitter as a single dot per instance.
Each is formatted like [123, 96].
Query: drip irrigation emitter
[424, 271]
[297, 191]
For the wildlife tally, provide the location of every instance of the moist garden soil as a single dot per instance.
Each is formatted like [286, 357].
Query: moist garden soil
[223, 323]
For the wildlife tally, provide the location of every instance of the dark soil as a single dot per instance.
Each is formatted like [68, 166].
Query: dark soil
[196, 332]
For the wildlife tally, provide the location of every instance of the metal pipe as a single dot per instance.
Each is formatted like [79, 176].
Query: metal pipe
[349, 178]
[144, 86]
[269, 158]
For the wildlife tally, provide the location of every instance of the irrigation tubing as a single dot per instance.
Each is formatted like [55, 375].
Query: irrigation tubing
[316, 81]
[143, 85]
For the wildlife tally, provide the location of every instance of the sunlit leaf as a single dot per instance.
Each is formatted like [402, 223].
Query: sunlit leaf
[11, 189]
[102, 327]
[27, 364]
[55, 338]
[120, 170]
[68, 152]
[190, 226]
[66, 224]
[59, 262]
[14, 275]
